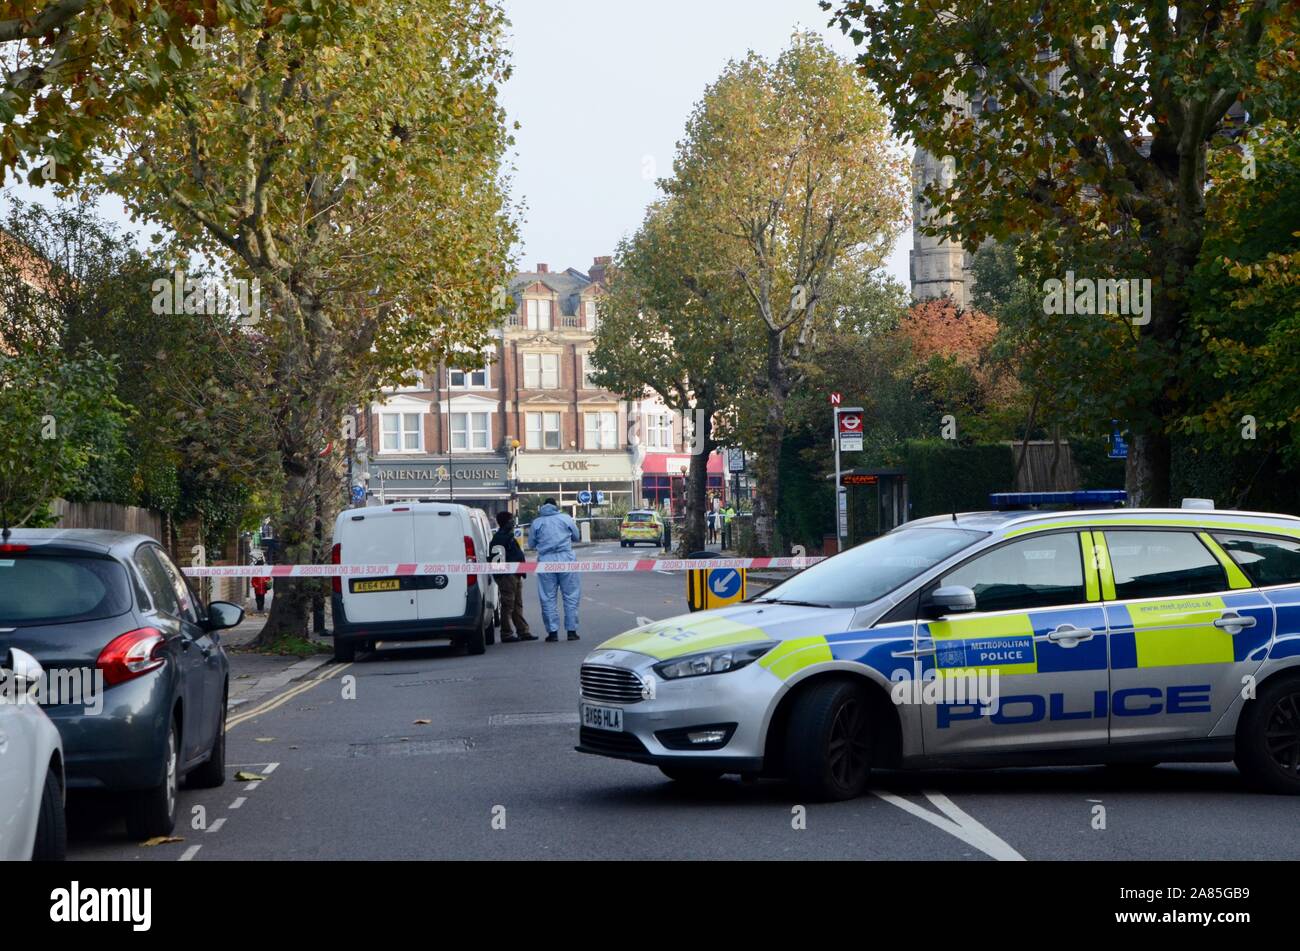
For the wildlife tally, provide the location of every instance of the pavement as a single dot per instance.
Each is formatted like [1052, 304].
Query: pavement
[431, 754]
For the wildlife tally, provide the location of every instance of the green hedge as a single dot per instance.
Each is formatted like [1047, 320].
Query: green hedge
[945, 478]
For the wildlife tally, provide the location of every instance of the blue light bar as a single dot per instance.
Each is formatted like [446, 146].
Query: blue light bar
[1011, 500]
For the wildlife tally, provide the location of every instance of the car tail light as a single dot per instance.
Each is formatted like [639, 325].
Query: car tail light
[7, 548]
[336, 558]
[471, 555]
[130, 655]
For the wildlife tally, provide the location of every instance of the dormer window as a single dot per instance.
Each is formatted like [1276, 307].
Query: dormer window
[537, 314]
[589, 312]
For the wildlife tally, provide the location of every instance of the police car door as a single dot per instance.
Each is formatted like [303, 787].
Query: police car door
[1186, 628]
[1036, 643]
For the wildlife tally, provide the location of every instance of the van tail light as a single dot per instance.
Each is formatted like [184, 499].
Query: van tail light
[9, 548]
[471, 555]
[336, 558]
[132, 654]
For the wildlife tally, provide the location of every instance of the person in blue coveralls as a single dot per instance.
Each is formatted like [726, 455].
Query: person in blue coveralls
[552, 535]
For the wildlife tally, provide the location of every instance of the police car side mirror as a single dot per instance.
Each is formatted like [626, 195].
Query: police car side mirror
[950, 599]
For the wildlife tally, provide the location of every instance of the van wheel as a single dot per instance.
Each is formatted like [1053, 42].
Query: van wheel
[828, 741]
[1268, 739]
[152, 812]
[344, 651]
[51, 828]
[212, 772]
[476, 643]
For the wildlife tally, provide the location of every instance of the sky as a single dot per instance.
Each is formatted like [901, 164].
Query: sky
[602, 90]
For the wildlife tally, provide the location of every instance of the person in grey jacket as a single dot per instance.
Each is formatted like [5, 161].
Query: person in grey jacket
[552, 535]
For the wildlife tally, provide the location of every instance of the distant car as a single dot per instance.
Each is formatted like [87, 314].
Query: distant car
[644, 525]
[410, 610]
[111, 614]
[31, 767]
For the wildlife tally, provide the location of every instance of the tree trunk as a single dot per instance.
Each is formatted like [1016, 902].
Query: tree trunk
[767, 498]
[697, 486]
[296, 528]
[1147, 472]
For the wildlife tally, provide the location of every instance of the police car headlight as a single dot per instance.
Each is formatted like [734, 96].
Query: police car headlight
[712, 662]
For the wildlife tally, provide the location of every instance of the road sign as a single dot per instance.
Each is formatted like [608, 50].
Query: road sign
[850, 429]
[836, 398]
[1118, 446]
[584, 497]
[714, 587]
[735, 460]
[358, 493]
[600, 497]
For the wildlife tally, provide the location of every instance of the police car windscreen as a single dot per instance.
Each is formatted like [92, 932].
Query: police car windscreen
[867, 572]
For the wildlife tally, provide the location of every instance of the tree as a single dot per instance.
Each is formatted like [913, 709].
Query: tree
[74, 70]
[54, 411]
[1095, 147]
[787, 163]
[356, 178]
[666, 327]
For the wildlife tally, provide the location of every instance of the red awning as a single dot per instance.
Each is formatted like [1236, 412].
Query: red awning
[663, 463]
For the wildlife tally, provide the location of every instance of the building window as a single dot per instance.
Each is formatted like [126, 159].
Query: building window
[589, 311]
[400, 432]
[543, 431]
[659, 430]
[587, 371]
[541, 371]
[470, 431]
[601, 430]
[538, 314]
[468, 379]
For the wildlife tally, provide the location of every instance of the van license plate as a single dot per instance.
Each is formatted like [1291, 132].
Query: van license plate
[602, 718]
[387, 584]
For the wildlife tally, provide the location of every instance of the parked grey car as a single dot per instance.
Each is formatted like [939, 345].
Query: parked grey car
[136, 675]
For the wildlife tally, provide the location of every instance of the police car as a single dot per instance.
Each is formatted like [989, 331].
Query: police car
[1117, 636]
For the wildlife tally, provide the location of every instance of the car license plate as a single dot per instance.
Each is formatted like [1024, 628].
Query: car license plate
[386, 584]
[602, 718]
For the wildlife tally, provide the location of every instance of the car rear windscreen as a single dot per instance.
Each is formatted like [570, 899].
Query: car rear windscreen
[640, 517]
[58, 589]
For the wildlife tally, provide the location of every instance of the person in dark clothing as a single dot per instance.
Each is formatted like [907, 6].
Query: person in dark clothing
[514, 627]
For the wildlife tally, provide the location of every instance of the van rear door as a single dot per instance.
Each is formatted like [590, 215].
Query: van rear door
[440, 532]
[373, 537]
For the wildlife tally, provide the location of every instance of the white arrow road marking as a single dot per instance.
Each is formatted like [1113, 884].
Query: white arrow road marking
[956, 823]
[721, 584]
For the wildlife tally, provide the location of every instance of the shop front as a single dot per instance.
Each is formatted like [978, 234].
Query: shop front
[563, 475]
[663, 480]
[482, 481]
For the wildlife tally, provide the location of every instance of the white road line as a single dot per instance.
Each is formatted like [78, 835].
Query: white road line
[189, 853]
[216, 825]
[668, 573]
[252, 785]
[238, 802]
[270, 768]
[956, 823]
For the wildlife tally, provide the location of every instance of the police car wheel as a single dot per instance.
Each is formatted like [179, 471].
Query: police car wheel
[828, 741]
[1268, 739]
[691, 775]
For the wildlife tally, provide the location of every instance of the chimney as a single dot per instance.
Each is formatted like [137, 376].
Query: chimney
[599, 269]
[543, 269]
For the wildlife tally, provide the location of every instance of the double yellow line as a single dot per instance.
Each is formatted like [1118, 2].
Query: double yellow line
[267, 706]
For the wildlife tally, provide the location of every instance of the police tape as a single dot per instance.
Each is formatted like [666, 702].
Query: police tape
[492, 567]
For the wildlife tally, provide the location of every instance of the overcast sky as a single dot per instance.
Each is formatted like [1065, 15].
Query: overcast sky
[601, 91]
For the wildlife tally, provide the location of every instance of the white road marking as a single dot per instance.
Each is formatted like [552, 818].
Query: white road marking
[189, 853]
[270, 768]
[252, 785]
[216, 825]
[238, 802]
[956, 823]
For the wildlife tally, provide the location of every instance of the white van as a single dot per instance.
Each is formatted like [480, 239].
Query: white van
[402, 610]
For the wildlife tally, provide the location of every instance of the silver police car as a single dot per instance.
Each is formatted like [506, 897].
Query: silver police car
[1123, 636]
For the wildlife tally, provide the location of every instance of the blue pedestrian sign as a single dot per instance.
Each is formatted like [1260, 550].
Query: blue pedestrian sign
[358, 493]
[584, 497]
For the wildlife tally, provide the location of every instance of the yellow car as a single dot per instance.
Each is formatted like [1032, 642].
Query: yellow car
[643, 525]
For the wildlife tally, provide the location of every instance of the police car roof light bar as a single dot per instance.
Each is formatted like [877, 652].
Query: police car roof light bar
[1087, 498]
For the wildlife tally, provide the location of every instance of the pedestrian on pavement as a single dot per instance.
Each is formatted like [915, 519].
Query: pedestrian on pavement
[728, 515]
[259, 592]
[514, 627]
[552, 535]
[715, 517]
